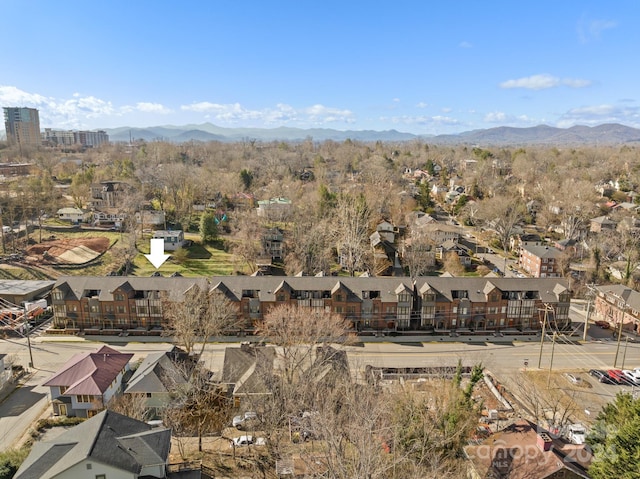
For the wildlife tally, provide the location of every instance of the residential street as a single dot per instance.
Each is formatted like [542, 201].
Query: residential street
[505, 360]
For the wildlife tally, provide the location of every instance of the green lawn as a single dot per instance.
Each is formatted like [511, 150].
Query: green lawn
[200, 260]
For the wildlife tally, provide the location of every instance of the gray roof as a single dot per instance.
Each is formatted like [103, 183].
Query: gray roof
[268, 286]
[108, 437]
[542, 251]
[245, 368]
[20, 287]
[626, 294]
[157, 373]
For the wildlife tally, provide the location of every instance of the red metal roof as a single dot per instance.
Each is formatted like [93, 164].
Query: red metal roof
[90, 373]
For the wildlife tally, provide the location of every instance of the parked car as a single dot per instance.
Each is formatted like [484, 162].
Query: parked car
[576, 433]
[603, 324]
[616, 375]
[600, 375]
[247, 441]
[243, 419]
[631, 378]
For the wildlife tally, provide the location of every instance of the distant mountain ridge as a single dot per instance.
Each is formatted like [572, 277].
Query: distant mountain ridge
[612, 133]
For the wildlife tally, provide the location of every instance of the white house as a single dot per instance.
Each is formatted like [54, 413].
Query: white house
[173, 240]
[74, 215]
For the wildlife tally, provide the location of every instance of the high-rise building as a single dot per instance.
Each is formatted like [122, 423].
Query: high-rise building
[22, 126]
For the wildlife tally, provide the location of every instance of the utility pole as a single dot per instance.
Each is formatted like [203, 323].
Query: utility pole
[553, 345]
[590, 296]
[624, 308]
[544, 324]
[25, 317]
[624, 355]
[547, 307]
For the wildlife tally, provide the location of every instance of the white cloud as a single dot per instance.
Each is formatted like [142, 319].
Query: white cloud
[282, 113]
[592, 29]
[422, 105]
[446, 109]
[465, 45]
[12, 96]
[598, 114]
[153, 108]
[544, 81]
[421, 120]
[495, 117]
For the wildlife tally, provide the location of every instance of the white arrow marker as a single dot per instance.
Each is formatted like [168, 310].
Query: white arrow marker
[157, 256]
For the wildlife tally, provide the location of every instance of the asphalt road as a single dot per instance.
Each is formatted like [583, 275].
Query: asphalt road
[19, 410]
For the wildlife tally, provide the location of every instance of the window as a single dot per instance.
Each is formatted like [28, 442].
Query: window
[404, 297]
[89, 466]
[119, 297]
[429, 297]
[58, 295]
[280, 297]
[101, 476]
[84, 398]
[122, 309]
[63, 389]
[339, 297]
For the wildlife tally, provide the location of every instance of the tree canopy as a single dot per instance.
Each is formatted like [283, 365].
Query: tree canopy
[615, 439]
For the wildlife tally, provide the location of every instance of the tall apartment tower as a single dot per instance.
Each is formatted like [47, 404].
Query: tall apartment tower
[22, 126]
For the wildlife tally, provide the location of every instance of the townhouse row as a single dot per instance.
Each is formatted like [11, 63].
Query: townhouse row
[115, 304]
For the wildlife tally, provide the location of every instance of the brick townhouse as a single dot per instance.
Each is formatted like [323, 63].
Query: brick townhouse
[116, 304]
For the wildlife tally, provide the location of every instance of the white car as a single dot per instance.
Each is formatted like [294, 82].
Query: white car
[247, 441]
[632, 376]
[239, 421]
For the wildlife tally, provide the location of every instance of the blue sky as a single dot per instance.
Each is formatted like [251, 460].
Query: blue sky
[423, 67]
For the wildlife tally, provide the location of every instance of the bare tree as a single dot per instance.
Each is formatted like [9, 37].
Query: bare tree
[452, 263]
[351, 232]
[132, 405]
[247, 234]
[200, 315]
[199, 407]
[502, 214]
[298, 331]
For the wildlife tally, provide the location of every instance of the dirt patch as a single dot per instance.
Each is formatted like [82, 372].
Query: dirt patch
[67, 251]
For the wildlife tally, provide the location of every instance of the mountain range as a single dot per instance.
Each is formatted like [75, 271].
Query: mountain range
[542, 135]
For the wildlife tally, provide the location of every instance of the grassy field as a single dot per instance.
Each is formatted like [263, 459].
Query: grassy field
[199, 260]
[196, 260]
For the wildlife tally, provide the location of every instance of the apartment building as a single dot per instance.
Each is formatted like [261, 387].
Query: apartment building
[84, 138]
[540, 261]
[616, 303]
[116, 304]
[22, 126]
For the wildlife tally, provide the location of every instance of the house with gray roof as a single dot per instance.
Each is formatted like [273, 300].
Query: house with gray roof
[109, 445]
[87, 382]
[157, 376]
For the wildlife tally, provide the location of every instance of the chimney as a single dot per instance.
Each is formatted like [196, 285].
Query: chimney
[543, 441]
